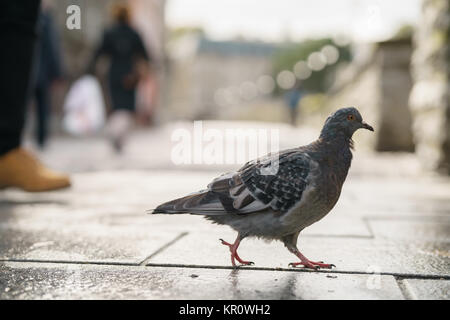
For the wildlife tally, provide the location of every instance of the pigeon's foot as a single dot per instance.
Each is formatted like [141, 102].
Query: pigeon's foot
[312, 265]
[304, 261]
[234, 255]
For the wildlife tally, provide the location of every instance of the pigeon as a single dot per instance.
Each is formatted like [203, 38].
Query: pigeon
[278, 195]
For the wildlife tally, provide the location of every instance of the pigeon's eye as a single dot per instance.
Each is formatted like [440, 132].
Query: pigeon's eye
[350, 117]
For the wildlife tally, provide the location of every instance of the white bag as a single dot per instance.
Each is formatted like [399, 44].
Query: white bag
[84, 107]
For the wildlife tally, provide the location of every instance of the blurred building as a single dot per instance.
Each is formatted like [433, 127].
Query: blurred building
[378, 82]
[430, 96]
[200, 68]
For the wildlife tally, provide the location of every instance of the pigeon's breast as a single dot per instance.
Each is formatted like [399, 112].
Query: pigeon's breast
[318, 198]
[311, 208]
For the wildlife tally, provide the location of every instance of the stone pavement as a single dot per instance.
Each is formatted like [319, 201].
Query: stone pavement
[389, 234]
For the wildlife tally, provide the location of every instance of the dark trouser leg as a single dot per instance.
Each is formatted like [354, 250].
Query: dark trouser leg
[42, 107]
[17, 38]
[293, 112]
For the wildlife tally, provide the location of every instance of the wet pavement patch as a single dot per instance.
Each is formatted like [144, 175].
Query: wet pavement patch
[79, 281]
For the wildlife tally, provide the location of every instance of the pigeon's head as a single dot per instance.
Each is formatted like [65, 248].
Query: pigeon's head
[344, 122]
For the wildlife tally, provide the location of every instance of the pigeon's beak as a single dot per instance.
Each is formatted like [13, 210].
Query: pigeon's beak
[366, 126]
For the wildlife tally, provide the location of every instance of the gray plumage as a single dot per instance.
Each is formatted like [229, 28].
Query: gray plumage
[303, 186]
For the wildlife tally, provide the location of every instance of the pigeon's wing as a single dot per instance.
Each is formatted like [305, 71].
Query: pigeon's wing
[225, 194]
[274, 182]
[203, 202]
[279, 181]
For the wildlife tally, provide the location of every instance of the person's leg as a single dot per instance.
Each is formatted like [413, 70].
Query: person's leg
[42, 106]
[293, 112]
[118, 127]
[17, 35]
[18, 168]
[122, 118]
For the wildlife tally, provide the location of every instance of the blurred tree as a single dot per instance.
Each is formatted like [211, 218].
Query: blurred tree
[404, 32]
[181, 31]
[290, 54]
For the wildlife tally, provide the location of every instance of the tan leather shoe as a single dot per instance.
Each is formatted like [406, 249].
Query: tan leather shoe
[19, 168]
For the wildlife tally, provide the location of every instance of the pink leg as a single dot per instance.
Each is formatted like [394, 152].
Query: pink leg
[308, 263]
[233, 249]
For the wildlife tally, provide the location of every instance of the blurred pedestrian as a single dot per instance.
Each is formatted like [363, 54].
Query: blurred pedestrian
[47, 69]
[128, 63]
[293, 98]
[19, 168]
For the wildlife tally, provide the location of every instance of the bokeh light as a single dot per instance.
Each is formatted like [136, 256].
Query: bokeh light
[286, 79]
[301, 70]
[317, 61]
[265, 84]
[248, 90]
[341, 40]
[331, 54]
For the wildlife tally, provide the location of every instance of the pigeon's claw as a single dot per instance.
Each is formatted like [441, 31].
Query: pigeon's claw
[323, 265]
[234, 255]
[312, 265]
[243, 262]
[306, 265]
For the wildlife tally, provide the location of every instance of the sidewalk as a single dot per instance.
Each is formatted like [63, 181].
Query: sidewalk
[389, 234]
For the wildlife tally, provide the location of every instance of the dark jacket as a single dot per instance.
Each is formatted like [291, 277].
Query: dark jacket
[48, 65]
[123, 45]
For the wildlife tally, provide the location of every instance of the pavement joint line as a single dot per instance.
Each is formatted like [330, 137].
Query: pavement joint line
[318, 235]
[432, 217]
[394, 274]
[368, 226]
[397, 276]
[168, 244]
[106, 263]
[406, 289]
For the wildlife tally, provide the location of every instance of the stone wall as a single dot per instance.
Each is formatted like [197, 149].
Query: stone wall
[379, 87]
[394, 118]
[429, 99]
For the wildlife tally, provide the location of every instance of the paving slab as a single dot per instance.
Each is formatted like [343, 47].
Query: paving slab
[56, 233]
[71, 281]
[134, 190]
[427, 289]
[101, 218]
[413, 229]
[348, 254]
[383, 223]
[141, 190]
[139, 153]
[381, 196]
[116, 245]
[63, 152]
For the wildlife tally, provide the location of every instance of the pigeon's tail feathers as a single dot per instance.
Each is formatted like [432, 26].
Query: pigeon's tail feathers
[203, 203]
